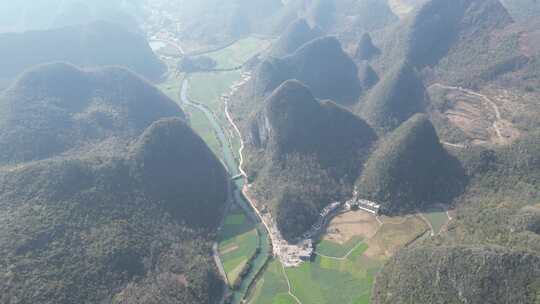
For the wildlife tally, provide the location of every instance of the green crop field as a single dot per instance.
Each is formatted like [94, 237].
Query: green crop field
[238, 53]
[238, 243]
[333, 249]
[202, 127]
[437, 218]
[330, 281]
[207, 88]
[272, 287]
[323, 281]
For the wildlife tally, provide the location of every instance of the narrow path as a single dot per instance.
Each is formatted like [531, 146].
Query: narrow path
[343, 257]
[356, 246]
[289, 285]
[423, 217]
[459, 146]
[217, 259]
[495, 107]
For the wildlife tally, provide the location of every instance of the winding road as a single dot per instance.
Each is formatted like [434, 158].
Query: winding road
[495, 107]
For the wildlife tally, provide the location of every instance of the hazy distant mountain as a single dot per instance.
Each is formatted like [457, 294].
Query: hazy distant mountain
[111, 197]
[216, 22]
[459, 275]
[26, 15]
[320, 64]
[300, 137]
[96, 44]
[405, 168]
[399, 95]
[296, 34]
[456, 38]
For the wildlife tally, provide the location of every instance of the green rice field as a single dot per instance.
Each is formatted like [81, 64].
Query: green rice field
[238, 243]
[333, 249]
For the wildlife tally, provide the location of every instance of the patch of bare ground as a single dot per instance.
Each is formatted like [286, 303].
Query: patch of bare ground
[346, 226]
[228, 249]
[485, 118]
[395, 233]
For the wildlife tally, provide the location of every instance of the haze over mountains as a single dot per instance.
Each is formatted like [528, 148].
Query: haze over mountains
[91, 45]
[107, 195]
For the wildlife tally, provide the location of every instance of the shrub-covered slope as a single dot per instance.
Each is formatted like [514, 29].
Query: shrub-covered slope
[410, 169]
[460, 39]
[95, 44]
[459, 275]
[398, 96]
[57, 107]
[301, 150]
[85, 230]
[109, 200]
[320, 64]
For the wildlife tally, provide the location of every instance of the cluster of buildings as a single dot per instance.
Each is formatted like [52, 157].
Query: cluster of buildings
[361, 204]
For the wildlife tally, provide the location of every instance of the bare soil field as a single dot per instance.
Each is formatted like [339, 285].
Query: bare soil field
[348, 225]
[483, 119]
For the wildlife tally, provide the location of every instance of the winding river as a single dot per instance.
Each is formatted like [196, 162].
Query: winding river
[227, 155]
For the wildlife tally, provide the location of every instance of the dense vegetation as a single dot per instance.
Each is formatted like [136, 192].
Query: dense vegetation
[95, 44]
[57, 107]
[320, 64]
[497, 222]
[465, 42]
[304, 153]
[407, 166]
[398, 96]
[114, 203]
[459, 275]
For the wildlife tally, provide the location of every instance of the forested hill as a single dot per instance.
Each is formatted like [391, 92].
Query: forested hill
[304, 153]
[407, 165]
[54, 108]
[96, 44]
[321, 64]
[107, 195]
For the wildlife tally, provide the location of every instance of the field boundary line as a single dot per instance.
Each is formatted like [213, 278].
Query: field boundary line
[343, 257]
[289, 285]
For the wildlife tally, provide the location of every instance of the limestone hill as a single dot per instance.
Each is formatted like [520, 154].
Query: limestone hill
[320, 64]
[407, 166]
[398, 96]
[92, 45]
[296, 34]
[317, 144]
[55, 108]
